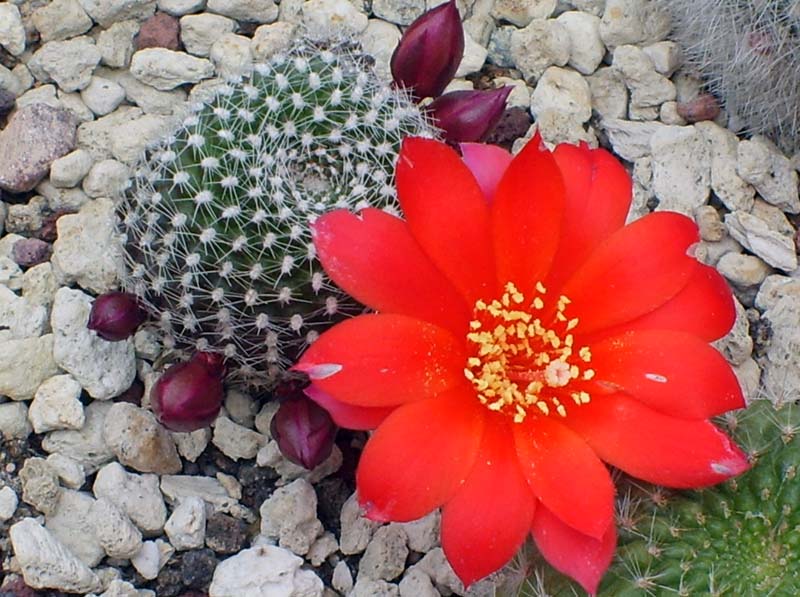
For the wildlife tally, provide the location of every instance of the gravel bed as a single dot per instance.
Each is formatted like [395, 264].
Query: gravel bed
[96, 498]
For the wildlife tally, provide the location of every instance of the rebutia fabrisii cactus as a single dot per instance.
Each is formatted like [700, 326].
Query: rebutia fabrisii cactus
[747, 51]
[740, 538]
[217, 221]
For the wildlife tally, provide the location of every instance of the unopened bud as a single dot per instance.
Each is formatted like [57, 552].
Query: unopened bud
[466, 116]
[115, 316]
[304, 431]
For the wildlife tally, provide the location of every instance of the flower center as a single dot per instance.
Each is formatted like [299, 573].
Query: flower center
[523, 355]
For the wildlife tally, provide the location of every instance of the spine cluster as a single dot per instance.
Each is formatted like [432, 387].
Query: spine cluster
[218, 219]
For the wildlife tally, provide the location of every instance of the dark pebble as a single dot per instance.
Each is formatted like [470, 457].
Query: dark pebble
[225, 534]
[133, 394]
[332, 493]
[169, 582]
[197, 568]
[704, 107]
[16, 588]
[513, 124]
[48, 232]
[28, 252]
[159, 31]
[257, 484]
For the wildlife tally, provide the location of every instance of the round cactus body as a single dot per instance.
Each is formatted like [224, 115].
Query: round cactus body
[741, 537]
[218, 219]
[747, 52]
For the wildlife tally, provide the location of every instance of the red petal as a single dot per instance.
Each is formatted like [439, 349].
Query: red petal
[565, 474]
[347, 415]
[672, 372]
[420, 455]
[598, 196]
[704, 308]
[526, 217]
[639, 268]
[447, 214]
[486, 521]
[582, 558]
[374, 258]
[655, 447]
[384, 360]
[487, 163]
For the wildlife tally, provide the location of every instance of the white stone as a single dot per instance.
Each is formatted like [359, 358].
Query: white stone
[191, 445]
[737, 345]
[781, 362]
[253, 11]
[744, 271]
[564, 90]
[586, 47]
[324, 547]
[236, 441]
[40, 486]
[24, 364]
[96, 137]
[69, 170]
[14, 421]
[107, 178]
[136, 495]
[232, 56]
[18, 316]
[116, 43]
[366, 587]
[39, 285]
[150, 100]
[540, 45]
[178, 8]
[734, 192]
[70, 472]
[749, 376]
[386, 553]
[499, 46]
[342, 578]
[186, 526]
[609, 93]
[473, 59]
[12, 31]
[423, 533]
[264, 571]
[665, 55]
[761, 164]
[107, 12]
[241, 407]
[290, 516]
[165, 69]
[323, 18]
[774, 288]
[416, 583]
[681, 168]
[46, 563]
[648, 88]
[88, 250]
[357, 530]
[118, 536]
[755, 234]
[135, 135]
[180, 487]
[102, 96]
[268, 40]
[435, 565]
[73, 102]
[8, 503]
[61, 19]
[120, 588]
[69, 63]
[520, 96]
[139, 441]
[633, 22]
[151, 558]
[522, 12]
[199, 32]
[104, 369]
[57, 405]
[86, 446]
[71, 523]
[399, 12]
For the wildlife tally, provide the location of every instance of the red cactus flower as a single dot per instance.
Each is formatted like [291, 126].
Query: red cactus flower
[189, 395]
[466, 116]
[521, 343]
[429, 52]
[115, 316]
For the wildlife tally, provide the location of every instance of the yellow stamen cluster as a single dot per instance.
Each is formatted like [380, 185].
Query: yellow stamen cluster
[519, 360]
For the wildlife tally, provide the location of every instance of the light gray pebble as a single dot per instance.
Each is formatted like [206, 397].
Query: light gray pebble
[69, 170]
[116, 533]
[102, 96]
[136, 495]
[72, 524]
[61, 19]
[199, 32]
[14, 422]
[56, 405]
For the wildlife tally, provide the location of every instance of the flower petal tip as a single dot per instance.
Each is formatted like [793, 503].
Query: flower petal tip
[316, 371]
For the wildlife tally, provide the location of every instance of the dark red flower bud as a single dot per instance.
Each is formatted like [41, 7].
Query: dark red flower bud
[467, 116]
[188, 395]
[304, 431]
[429, 52]
[115, 316]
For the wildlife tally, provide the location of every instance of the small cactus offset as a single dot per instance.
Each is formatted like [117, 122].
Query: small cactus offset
[739, 538]
[747, 52]
[217, 221]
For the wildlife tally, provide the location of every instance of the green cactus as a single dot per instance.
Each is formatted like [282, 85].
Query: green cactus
[217, 221]
[740, 538]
